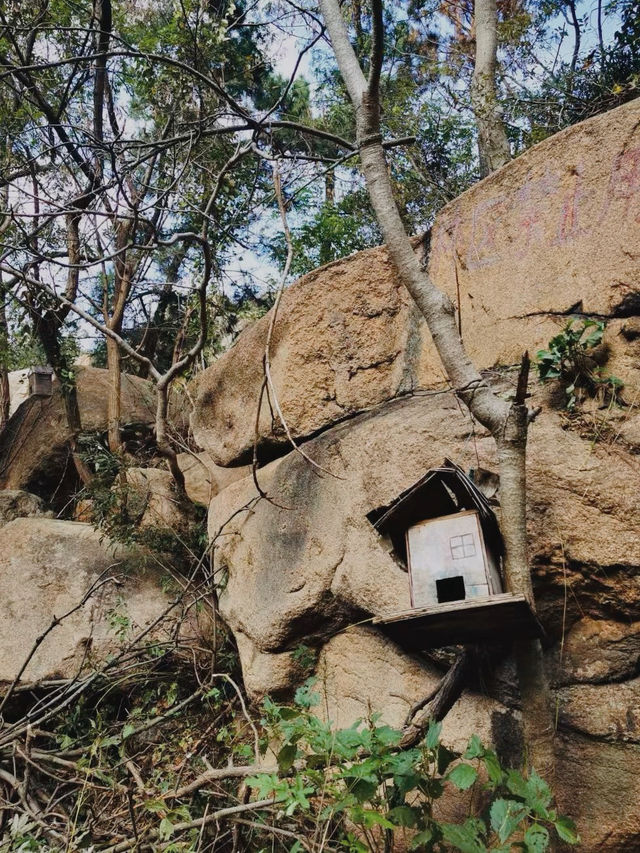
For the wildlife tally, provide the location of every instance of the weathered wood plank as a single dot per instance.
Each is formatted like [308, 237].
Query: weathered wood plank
[500, 618]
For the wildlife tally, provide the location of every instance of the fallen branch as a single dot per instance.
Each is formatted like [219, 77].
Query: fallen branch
[212, 775]
[130, 843]
[440, 701]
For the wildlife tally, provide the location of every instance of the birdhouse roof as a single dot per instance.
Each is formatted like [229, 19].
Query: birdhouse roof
[441, 491]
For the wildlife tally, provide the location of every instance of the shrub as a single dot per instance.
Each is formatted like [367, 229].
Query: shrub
[354, 787]
[570, 359]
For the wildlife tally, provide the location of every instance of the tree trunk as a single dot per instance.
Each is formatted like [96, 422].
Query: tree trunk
[330, 187]
[48, 331]
[493, 145]
[537, 709]
[5, 395]
[114, 406]
[507, 423]
[162, 440]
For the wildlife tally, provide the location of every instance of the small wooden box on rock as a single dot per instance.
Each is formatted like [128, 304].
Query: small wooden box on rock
[448, 561]
[40, 381]
[444, 532]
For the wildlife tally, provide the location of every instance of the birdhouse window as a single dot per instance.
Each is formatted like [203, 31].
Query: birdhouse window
[462, 546]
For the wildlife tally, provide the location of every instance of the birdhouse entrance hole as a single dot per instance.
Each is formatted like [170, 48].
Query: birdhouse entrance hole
[450, 589]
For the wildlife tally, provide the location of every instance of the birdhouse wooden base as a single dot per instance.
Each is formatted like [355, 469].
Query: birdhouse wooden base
[496, 618]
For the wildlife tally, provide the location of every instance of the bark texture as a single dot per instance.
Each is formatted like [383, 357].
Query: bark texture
[493, 145]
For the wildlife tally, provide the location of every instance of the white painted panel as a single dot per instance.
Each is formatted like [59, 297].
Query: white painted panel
[446, 547]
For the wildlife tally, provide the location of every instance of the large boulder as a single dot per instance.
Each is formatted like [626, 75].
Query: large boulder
[307, 561]
[549, 234]
[546, 236]
[355, 664]
[203, 479]
[362, 392]
[305, 566]
[47, 567]
[34, 451]
[346, 337]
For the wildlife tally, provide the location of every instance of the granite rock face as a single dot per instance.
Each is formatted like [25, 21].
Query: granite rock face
[47, 568]
[308, 562]
[204, 479]
[357, 380]
[550, 234]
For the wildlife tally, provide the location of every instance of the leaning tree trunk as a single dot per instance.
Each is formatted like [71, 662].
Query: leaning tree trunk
[5, 394]
[493, 145]
[114, 399]
[506, 422]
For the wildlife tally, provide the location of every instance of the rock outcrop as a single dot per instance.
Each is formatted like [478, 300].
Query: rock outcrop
[15, 503]
[152, 499]
[308, 567]
[47, 568]
[203, 479]
[550, 235]
[34, 446]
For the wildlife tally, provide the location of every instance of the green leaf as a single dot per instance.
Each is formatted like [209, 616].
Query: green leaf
[354, 845]
[433, 734]
[421, 839]
[369, 818]
[506, 816]
[287, 756]
[405, 762]
[407, 782]
[289, 713]
[566, 829]
[165, 830]
[536, 838]
[462, 776]
[495, 771]
[538, 795]
[475, 749]
[127, 731]
[265, 784]
[517, 784]
[363, 790]
[403, 816]
[468, 837]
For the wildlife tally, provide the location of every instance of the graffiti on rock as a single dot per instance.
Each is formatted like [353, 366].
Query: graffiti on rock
[555, 208]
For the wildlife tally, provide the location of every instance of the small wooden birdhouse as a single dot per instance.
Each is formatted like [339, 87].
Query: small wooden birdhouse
[448, 560]
[40, 381]
[444, 532]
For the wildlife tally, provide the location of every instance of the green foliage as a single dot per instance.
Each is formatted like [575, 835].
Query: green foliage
[362, 777]
[328, 231]
[602, 79]
[119, 620]
[305, 657]
[570, 359]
